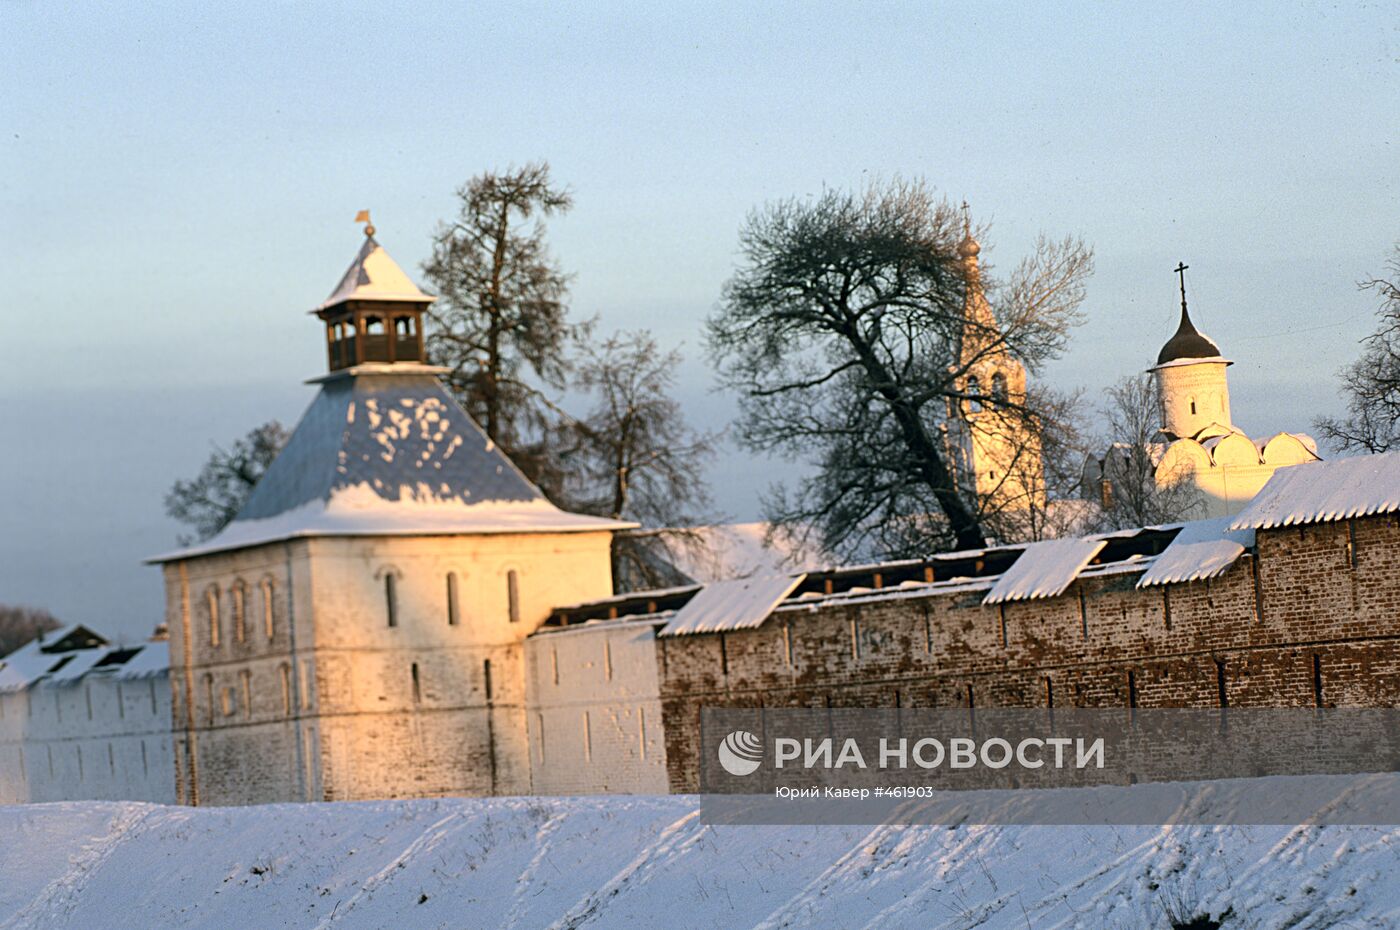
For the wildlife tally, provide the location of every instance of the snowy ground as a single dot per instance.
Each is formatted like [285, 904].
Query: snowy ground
[648, 862]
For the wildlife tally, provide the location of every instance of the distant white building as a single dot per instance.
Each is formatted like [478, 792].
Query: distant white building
[1199, 443]
[81, 718]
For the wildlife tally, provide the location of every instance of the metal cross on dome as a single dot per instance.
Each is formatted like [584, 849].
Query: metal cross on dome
[1180, 270]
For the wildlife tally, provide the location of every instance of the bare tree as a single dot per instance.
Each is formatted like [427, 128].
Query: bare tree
[1125, 480]
[1371, 384]
[632, 456]
[212, 498]
[18, 625]
[841, 331]
[500, 323]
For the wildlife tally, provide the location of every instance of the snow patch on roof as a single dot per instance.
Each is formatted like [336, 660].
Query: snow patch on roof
[1045, 569]
[732, 605]
[1203, 549]
[1316, 492]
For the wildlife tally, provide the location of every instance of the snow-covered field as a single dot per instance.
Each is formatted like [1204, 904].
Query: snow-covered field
[649, 862]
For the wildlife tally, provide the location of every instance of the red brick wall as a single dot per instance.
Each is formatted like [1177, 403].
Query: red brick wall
[1322, 606]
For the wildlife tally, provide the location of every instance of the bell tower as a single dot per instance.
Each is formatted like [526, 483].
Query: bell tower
[1000, 456]
[375, 314]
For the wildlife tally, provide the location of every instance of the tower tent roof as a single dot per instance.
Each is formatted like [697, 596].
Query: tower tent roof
[373, 275]
[390, 453]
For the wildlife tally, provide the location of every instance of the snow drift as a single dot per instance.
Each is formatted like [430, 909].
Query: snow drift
[649, 862]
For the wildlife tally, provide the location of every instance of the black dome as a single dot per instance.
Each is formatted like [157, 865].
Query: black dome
[1187, 343]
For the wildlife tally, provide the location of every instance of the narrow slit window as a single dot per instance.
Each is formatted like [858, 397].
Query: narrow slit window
[286, 690]
[240, 630]
[391, 599]
[452, 615]
[211, 606]
[417, 684]
[513, 595]
[245, 680]
[267, 607]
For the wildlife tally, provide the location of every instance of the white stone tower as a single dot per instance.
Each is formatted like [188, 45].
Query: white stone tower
[357, 630]
[1191, 374]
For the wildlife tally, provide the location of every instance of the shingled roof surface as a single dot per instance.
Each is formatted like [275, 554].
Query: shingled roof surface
[389, 454]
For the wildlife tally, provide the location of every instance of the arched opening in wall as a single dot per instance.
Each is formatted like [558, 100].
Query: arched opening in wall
[285, 672]
[974, 394]
[452, 615]
[513, 595]
[999, 387]
[239, 597]
[226, 703]
[211, 609]
[266, 588]
[391, 599]
[417, 684]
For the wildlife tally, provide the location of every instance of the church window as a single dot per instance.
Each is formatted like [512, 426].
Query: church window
[391, 599]
[1193, 406]
[417, 684]
[237, 595]
[266, 588]
[999, 387]
[974, 393]
[452, 616]
[211, 606]
[374, 326]
[513, 595]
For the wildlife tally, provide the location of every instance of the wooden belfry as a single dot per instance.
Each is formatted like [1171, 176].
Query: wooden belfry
[375, 314]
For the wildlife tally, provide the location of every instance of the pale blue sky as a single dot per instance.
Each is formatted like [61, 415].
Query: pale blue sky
[177, 183]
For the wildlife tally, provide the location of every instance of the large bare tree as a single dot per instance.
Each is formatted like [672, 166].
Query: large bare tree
[1129, 490]
[208, 501]
[501, 322]
[1371, 384]
[631, 455]
[841, 333]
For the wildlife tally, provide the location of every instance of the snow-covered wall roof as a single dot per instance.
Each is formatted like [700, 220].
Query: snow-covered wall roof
[732, 605]
[31, 664]
[1045, 569]
[1203, 549]
[1316, 492]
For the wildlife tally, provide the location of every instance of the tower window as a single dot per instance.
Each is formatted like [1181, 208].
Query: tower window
[391, 599]
[240, 631]
[266, 588]
[999, 387]
[211, 606]
[417, 684]
[286, 689]
[974, 393]
[1193, 406]
[452, 616]
[513, 595]
[403, 326]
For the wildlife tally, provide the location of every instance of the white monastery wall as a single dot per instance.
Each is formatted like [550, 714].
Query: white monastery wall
[95, 738]
[594, 712]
